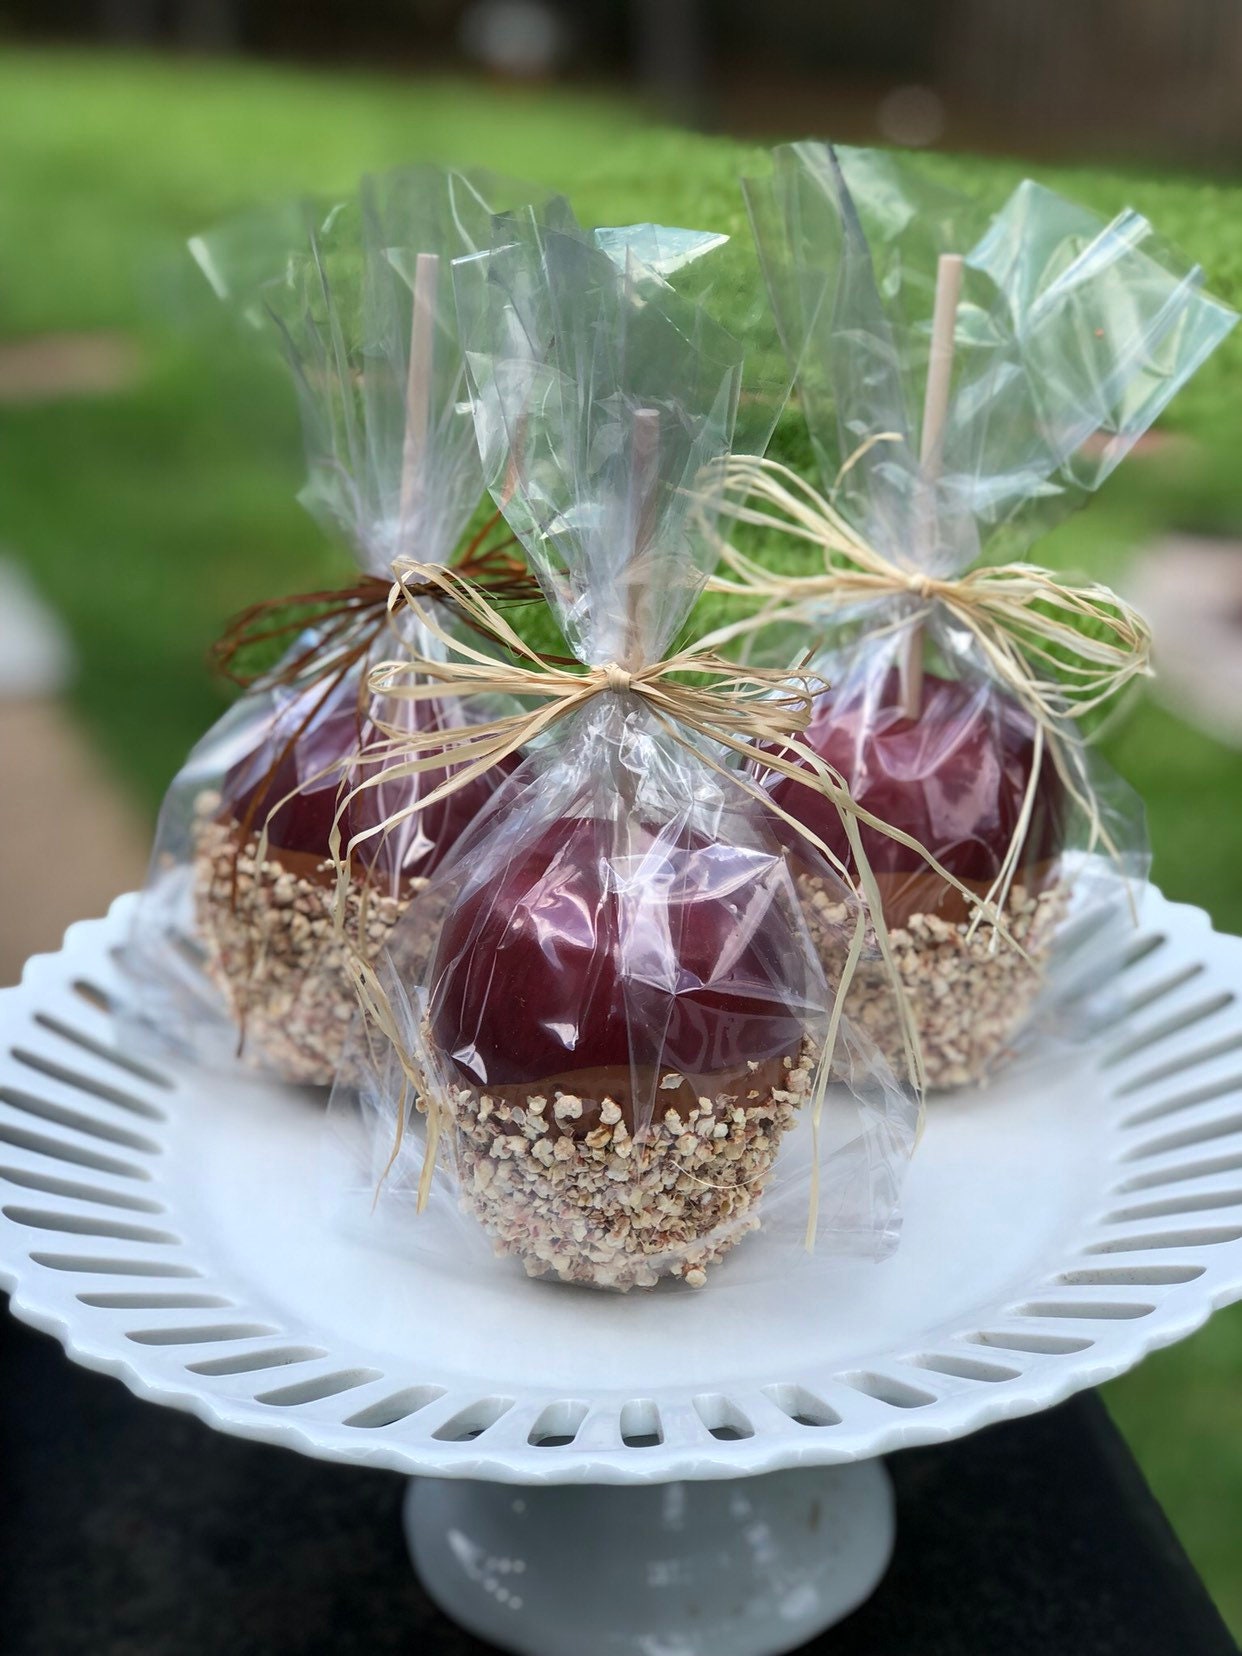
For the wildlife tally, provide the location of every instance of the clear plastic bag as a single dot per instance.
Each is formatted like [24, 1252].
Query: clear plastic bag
[941, 444]
[234, 950]
[608, 1055]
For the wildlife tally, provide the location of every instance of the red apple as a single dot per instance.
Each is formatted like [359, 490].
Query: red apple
[308, 778]
[549, 972]
[954, 778]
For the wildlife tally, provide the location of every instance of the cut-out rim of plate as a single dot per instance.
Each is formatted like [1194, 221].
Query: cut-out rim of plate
[92, 1252]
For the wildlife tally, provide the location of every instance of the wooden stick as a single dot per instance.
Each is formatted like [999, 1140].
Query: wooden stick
[513, 471]
[940, 362]
[644, 471]
[931, 446]
[418, 383]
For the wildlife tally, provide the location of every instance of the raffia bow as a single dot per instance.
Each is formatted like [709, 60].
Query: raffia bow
[1062, 649]
[756, 713]
[1028, 623]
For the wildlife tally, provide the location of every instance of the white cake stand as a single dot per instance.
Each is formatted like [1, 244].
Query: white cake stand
[167, 1228]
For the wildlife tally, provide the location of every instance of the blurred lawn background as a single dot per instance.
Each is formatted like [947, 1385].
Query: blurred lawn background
[148, 514]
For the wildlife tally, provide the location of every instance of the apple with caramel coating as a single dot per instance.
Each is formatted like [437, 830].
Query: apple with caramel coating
[613, 1023]
[267, 928]
[955, 778]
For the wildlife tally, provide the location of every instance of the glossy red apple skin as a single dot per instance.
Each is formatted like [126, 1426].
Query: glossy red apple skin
[954, 778]
[307, 779]
[543, 973]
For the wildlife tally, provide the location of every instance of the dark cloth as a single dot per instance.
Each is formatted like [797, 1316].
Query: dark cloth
[130, 1530]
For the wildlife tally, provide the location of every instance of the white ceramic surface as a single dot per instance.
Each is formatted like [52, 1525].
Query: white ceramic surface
[167, 1228]
[747, 1568]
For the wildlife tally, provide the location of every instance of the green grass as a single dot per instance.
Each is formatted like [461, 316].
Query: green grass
[148, 516]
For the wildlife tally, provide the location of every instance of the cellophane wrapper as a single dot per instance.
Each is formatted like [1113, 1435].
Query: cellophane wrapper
[1071, 336]
[612, 1014]
[233, 953]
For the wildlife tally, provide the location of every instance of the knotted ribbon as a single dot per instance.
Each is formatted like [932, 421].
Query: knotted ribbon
[1061, 648]
[1024, 618]
[757, 713]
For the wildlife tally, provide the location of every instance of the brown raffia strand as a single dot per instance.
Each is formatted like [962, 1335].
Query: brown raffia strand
[1026, 621]
[756, 713]
[343, 613]
[350, 621]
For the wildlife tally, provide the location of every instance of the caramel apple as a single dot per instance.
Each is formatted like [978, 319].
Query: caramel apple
[954, 777]
[297, 793]
[267, 930]
[612, 1024]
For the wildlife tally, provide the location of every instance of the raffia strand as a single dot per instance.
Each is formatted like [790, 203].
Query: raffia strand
[1063, 649]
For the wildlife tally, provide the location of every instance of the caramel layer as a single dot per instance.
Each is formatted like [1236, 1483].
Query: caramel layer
[307, 866]
[921, 891]
[665, 1089]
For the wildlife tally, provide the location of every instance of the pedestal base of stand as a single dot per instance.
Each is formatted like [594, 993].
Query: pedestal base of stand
[739, 1567]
